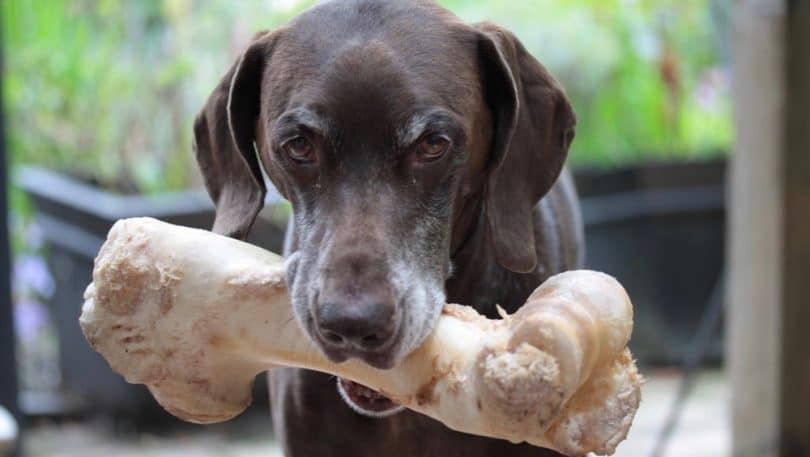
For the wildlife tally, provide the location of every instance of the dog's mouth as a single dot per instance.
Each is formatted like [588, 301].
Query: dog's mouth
[366, 401]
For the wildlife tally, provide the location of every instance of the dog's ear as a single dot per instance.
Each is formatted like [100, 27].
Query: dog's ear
[224, 134]
[533, 127]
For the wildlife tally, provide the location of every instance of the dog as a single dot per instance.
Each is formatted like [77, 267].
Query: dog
[424, 161]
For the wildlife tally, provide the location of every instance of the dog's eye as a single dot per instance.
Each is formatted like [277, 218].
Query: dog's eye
[300, 150]
[433, 147]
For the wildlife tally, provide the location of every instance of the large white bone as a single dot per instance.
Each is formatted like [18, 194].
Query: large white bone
[195, 316]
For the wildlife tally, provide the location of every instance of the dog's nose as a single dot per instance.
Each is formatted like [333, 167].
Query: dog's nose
[356, 326]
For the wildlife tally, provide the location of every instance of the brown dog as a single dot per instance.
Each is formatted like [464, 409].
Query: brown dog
[420, 155]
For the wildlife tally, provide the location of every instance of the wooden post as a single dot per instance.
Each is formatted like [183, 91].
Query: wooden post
[795, 382]
[769, 314]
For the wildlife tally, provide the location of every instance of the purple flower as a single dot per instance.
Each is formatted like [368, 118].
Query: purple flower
[710, 87]
[30, 317]
[31, 274]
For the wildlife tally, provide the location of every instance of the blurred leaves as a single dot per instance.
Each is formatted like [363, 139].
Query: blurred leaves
[107, 89]
[646, 77]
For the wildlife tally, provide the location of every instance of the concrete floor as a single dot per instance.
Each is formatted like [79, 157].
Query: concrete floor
[702, 431]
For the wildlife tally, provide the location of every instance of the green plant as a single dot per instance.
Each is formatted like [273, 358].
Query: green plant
[646, 77]
[107, 89]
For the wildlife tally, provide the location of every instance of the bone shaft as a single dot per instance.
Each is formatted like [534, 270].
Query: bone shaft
[281, 342]
[254, 320]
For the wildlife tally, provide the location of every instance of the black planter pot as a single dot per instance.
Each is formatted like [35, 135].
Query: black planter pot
[75, 218]
[660, 230]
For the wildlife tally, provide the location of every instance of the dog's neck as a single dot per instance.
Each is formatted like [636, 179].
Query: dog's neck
[478, 280]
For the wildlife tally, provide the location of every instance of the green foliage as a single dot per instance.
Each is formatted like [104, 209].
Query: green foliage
[107, 89]
[646, 77]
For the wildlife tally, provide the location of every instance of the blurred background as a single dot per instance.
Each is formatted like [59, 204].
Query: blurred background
[99, 96]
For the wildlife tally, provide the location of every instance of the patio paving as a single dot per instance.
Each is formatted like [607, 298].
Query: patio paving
[703, 430]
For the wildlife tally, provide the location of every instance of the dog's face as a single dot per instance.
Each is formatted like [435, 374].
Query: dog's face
[390, 126]
[371, 147]
[372, 178]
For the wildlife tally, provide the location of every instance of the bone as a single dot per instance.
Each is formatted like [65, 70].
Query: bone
[196, 316]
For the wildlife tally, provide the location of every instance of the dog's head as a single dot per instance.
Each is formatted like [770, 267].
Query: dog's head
[391, 127]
